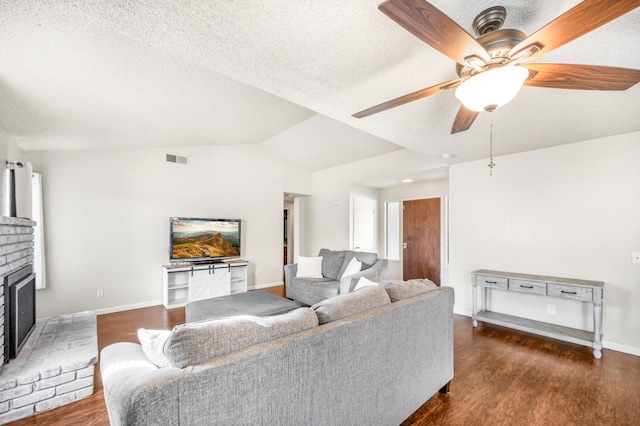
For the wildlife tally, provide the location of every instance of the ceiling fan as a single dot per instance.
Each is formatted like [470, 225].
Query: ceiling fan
[492, 67]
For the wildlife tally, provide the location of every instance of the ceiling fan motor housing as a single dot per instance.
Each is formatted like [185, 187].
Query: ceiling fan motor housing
[498, 44]
[489, 20]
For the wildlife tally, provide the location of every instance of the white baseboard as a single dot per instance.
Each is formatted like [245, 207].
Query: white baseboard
[464, 312]
[265, 285]
[127, 307]
[159, 302]
[631, 350]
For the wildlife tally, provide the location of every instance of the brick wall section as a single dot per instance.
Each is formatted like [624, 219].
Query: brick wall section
[54, 368]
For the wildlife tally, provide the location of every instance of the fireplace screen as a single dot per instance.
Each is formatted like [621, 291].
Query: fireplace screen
[20, 309]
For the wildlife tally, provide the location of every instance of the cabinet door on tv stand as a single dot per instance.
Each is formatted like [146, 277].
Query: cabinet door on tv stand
[221, 283]
[200, 285]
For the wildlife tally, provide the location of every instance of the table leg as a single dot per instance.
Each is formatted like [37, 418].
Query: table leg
[474, 303]
[597, 329]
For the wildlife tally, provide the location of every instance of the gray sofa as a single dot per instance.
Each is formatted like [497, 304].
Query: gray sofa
[373, 356]
[334, 262]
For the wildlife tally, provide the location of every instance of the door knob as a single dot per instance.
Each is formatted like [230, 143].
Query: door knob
[404, 246]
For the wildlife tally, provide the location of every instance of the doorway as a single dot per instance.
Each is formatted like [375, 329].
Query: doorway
[421, 239]
[288, 236]
[364, 225]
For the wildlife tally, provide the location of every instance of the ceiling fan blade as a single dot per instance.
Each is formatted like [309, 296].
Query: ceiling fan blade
[464, 119]
[583, 18]
[408, 98]
[430, 25]
[582, 77]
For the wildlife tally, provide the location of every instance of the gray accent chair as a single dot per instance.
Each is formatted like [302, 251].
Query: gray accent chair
[310, 291]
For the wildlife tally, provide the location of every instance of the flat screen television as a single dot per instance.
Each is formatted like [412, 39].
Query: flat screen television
[204, 240]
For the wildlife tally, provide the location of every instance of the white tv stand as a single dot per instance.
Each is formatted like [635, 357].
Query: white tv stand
[183, 283]
[590, 292]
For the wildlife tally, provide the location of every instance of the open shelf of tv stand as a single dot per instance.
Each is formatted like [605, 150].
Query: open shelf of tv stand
[186, 282]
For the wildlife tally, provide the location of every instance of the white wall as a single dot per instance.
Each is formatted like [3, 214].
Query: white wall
[415, 191]
[8, 151]
[107, 217]
[327, 213]
[568, 211]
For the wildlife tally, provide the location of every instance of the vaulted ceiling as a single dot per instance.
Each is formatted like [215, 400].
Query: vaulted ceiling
[284, 74]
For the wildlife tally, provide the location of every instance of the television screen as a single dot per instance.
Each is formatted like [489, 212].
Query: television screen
[204, 239]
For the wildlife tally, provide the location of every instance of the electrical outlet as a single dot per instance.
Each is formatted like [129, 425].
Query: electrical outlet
[100, 293]
[551, 309]
[635, 257]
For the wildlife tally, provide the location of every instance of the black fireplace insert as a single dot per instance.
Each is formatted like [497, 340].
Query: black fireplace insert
[19, 309]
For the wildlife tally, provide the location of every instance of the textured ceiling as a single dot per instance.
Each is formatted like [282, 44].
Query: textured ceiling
[137, 73]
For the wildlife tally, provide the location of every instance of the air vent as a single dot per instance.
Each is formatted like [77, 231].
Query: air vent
[176, 159]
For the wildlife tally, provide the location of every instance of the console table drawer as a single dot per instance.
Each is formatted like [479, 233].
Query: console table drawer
[493, 282]
[584, 294]
[526, 286]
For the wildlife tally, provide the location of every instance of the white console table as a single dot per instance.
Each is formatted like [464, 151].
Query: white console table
[565, 288]
[184, 283]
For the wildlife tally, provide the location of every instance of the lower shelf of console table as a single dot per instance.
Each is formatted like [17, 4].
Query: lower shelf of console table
[565, 288]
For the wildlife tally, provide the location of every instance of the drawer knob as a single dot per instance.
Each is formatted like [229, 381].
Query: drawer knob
[526, 286]
[568, 292]
[491, 282]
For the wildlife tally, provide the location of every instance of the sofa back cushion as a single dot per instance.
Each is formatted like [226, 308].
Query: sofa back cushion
[345, 305]
[331, 263]
[195, 343]
[399, 290]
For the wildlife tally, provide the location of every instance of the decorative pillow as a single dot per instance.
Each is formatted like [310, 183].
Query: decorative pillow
[363, 282]
[152, 342]
[195, 343]
[399, 290]
[345, 280]
[367, 259]
[309, 267]
[332, 261]
[345, 305]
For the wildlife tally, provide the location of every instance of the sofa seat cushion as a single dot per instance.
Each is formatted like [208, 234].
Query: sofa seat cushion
[399, 290]
[346, 305]
[320, 288]
[198, 342]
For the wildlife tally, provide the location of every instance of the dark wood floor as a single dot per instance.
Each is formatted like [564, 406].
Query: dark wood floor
[502, 377]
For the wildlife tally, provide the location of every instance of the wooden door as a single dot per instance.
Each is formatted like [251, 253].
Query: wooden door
[421, 239]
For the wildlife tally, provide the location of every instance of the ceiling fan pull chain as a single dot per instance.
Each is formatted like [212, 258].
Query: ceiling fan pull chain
[491, 163]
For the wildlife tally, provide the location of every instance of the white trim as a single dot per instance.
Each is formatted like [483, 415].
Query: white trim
[631, 350]
[464, 312]
[127, 307]
[266, 285]
[122, 308]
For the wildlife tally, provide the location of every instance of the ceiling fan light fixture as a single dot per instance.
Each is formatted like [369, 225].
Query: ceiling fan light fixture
[492, 88]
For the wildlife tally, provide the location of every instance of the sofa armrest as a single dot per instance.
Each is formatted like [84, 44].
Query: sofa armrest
[289, 272]
[132, 383]
[376, 273]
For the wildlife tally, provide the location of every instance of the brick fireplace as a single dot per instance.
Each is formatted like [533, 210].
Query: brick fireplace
[56, 363]
[16, 252]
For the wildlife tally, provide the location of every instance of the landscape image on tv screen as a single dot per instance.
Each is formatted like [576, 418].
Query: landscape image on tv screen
[204, 238]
